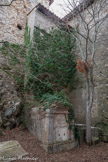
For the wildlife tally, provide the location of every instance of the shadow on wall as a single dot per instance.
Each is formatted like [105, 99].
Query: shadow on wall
[78, 99]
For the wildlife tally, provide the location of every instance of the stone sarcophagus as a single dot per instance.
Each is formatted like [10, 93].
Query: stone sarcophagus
[51, 128]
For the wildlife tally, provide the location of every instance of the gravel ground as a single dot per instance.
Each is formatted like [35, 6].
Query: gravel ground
[97, 153]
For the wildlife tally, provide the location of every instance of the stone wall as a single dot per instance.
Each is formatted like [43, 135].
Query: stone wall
[13, 19]
[31, 22]
[10, 102]
[44, 22]
[37, 19]
[78, 96]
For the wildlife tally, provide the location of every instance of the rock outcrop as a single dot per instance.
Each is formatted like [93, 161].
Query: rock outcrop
[10, 103]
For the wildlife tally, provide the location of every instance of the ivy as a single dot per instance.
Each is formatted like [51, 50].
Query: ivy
[13, 66]
[58, 98]
[26, 36]
[51, 63]
[43, 67]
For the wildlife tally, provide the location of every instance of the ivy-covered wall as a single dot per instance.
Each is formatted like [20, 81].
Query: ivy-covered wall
[50, 65]
[38, 19]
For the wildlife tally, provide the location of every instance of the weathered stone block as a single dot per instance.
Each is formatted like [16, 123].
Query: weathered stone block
[50, 127]
[11, 149]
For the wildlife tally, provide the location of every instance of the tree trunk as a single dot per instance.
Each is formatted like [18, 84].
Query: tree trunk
[88, 125]
[90, 96]
[88, 114]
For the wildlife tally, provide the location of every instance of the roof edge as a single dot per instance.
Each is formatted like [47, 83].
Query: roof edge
[81, 7]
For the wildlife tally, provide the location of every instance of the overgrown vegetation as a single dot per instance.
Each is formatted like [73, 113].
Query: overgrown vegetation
[103, 124]
[51, 63]
[50, 68]
[43, 68]
[59, 99]
[14, 63]
[77, 131]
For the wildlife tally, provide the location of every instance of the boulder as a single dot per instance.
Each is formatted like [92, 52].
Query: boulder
[14, 110]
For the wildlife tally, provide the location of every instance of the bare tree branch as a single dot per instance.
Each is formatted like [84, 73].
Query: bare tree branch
[8, 4]
[87, 17]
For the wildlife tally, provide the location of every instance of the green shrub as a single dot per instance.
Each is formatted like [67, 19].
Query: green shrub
[59, 98]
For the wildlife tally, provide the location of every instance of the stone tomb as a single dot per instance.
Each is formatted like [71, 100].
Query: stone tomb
[51, 128]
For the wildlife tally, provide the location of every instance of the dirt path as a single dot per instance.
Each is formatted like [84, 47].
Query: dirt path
[98, 153]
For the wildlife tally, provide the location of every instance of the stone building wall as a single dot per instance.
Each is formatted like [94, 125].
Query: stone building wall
[37, 19]
[13, 19]
[78, 96]
[44, 22]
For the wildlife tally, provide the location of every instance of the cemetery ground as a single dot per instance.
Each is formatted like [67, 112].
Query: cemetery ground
[96, 153]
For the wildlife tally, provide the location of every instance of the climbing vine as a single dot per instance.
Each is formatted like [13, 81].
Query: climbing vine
[14, 63]
[43, 67]
[51, 63]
